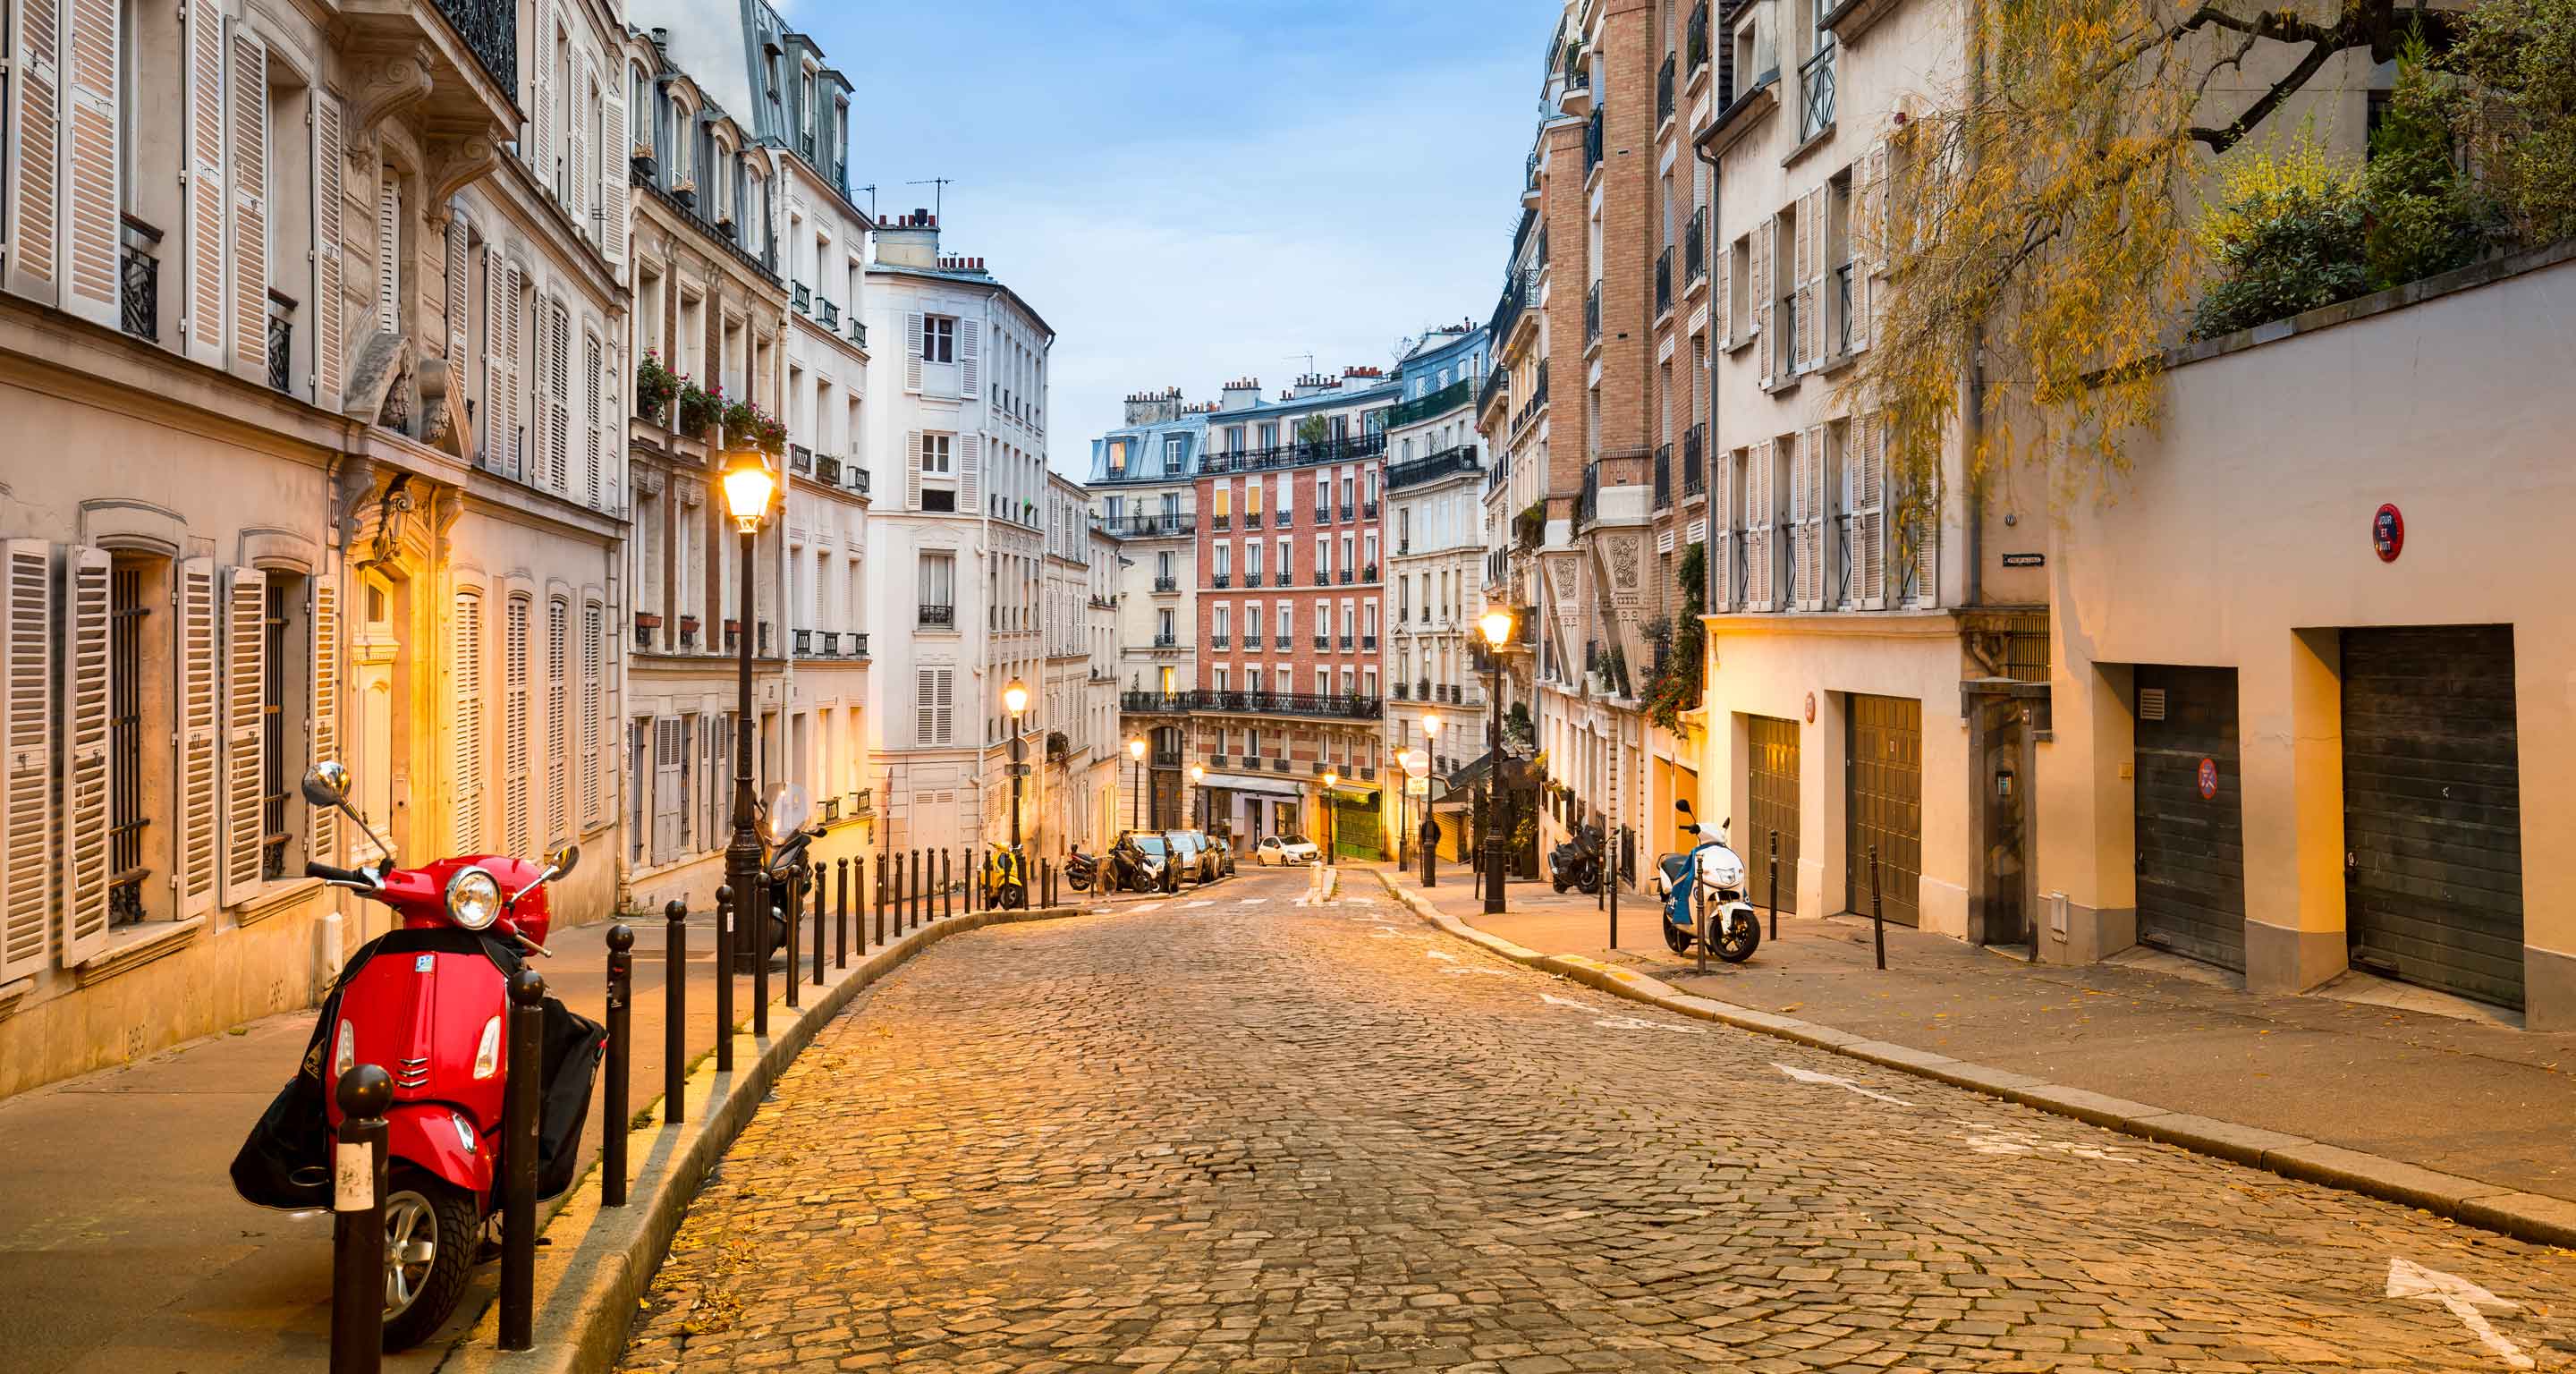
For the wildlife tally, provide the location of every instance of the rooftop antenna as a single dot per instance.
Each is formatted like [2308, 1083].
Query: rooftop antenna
[871, 189]
[938, 196]
[1310, 361]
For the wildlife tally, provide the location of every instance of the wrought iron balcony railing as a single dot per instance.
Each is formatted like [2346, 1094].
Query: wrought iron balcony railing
[490, 29]
[1816, 88]
[1664, 477]
[1695, 40]
[1664, 90]
[281, 342]
[1440, 402]
[1592, 141]
[1146, 526]
[1223, 579]
[1281, 578]
[1694, 469]
[801, 296]
[139, 294]
[941, 617]
[1592, 315]
[827, 470]
[1280, 641]
[1329, 450]
[1167, 584]
[1695, 246]
[1664, 283]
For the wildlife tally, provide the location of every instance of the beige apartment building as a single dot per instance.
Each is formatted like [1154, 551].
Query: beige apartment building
[341, 366]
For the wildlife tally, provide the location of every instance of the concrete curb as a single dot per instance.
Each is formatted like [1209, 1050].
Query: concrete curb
[2488, 1206]
[591, 1279]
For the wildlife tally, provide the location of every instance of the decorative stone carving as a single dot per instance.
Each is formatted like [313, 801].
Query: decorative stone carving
[394, 83]
[648, 479]
[692, 495]
[381, 389]
[442, 409]
[453, 165]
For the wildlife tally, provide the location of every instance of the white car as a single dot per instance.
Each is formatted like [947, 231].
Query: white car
[1285, 849]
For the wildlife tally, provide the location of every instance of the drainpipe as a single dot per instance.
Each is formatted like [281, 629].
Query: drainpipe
[1709, 450]
[1973, 422]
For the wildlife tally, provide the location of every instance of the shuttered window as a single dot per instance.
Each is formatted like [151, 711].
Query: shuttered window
[465, 734]
[203, 222]
[93, 227]
[84, 697]
[278, 655]
[322, 823]
[516, 831]
[26, 812]
[200, 739]
[246, 84]
[557, 350]
[327, 162]
[934, 703]
[245, 730]
[593, 647]
[560, 764]
[388, 250]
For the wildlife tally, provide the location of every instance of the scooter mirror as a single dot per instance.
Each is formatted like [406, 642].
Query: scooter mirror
[1682, 804]
[562, 860]
[789, 809]
[326, 783]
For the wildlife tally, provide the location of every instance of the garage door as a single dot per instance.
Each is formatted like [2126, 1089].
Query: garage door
[1771, 784]
[2433, 808]
[1883, 804]
[2191, 815]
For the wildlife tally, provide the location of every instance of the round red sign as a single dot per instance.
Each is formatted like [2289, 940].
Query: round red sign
[2388, 533]
[2208, 779]
[1811, 708]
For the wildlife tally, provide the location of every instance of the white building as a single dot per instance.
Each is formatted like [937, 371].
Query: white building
[956, 441]
[1435, 540]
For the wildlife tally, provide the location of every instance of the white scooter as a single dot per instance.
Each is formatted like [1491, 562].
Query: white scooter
[1709, 879]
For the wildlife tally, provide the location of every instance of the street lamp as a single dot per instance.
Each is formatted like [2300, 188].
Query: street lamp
[1198, 783]
[748, 485]
[1015, 699]
[1136, 812]
[1430, 754]
[1330, 778]
[1497, 626]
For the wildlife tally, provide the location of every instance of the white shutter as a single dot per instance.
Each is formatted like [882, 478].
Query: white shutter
[466, 735]
[86, 777]
[1721, 544]
[515, 829]
[322, 823]
[1761, 551]
[34, 201]
[94, 228]
[925, 706]
[581, 196]
[246, 85]
[456, 274]
[667, 801]
[559, 755]
[1819, 511]
[912, 469]
[1721, 285]
[970, 469]
[1869, 242]
[202, 233]
[200, 793]
[496, 379]
[1765, 236]
[970, 358]
[1801, 500]
[245, 732]
[912, 352]
[592, 705]
[559, 399]
[513, 373]
[328, 319]
[591, 381]
[612, 183]
[26, 731]
[542, 121]
[1867, 459]
[947, 705]
[388, 251]
[1927, 553]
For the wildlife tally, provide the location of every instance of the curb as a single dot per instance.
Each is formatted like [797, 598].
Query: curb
[588, 1291]
[2488, 1206]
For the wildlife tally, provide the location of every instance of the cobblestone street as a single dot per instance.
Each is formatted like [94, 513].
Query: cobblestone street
[1237, 1132]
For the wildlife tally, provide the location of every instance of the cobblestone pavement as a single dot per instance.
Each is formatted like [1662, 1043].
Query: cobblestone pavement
[1240, 1133]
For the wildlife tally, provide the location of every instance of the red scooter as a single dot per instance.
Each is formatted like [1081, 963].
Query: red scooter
[428, 1003]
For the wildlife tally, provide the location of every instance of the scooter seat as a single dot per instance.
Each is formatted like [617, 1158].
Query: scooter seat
[1674, 865]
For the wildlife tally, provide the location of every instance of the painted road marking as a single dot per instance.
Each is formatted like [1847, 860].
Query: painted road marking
[1200, 903]
[2407, 1279]
[1442, 955]
[1811, 1076]
[1618, 1022]
[1490, 972]
[1992, 1141]
[1146, 906]
[1250, 901]
[1555, 1001]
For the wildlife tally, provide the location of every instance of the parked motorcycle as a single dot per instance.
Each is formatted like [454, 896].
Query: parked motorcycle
[427, 1001]
[1577, 862]
[1709, 878]
[1006, 885]
[1081, 871]
[785, 841]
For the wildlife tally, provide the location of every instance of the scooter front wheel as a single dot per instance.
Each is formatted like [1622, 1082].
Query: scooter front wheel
[1739, 934]
[430, 1234]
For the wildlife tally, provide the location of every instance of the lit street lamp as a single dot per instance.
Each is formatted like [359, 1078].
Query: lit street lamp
[1015, 699]
[1136, 751]
[1198, 782]
[748, 485]
[1497, 626]
[1330, 778]
[1430, 754]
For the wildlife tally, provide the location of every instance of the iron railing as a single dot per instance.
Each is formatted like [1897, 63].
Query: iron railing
[1347, 448]
[1282, 578]
[1694, 470]
[1592, 315]
[1167, 584]
[1459, 459]
[139, 294]
[1695, 246]
[1440, 402]
[1145, 526]
[1663, 476]
[281, 342]
[941, 616]
[1695, 40]
[1221, 580]
[1330, 706]
[1843, 308]
[1592, 141]
[490, 29]
[1816, 90]
[1664, 90]
[1664, 282]
[801, 296]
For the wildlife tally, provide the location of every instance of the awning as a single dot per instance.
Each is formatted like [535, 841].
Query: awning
[1237, 782]
[1471, 774]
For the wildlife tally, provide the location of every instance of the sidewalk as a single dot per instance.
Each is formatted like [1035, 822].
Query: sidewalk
[122, 1245]
[2474, 1099]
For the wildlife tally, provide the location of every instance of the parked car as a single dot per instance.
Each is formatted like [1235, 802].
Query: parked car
[1191, 857]
[1222, 848]
[1285, 849]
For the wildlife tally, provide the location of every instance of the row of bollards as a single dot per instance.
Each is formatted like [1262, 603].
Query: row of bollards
[910, 889]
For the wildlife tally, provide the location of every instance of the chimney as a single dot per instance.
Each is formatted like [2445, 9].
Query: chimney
[1243, 393]
[1154, 407]
[909, 240]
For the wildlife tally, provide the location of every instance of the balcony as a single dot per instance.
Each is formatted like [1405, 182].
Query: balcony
[1664, 283]
[1592, 316]
[1284, 517]
[1592, 142]
[1221, 580]
[940, 617]
[1346, 644]
[1816, 91]
[472, 47]
[1440, 402]
[281, 342]
[827, 470]
[804, 643]
[858, 332]
[1664, 477]
[1664, 90]
[139, 293]
[1422, 689]
[1167, 641]
[1348, 448]
[1694, 466]
[1323, 515]
[1252, 520]
[1280, 642]
[1369, 573]
[800, 460]
[1368, 510]
[1221, 522]
[854, 644]
[801, 297]
[1167, 525]
[1695, 41]
[1279, 765]
[1318, 705]
[1281, 578]
[1167, 584]
[829, 312]
[1530, 409]
[1399, 691]
[1368, 644]
[1343, 577]
[1223, 641]
[1695, 246]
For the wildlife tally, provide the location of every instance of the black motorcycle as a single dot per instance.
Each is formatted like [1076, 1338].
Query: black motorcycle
[785, 843]
[1577, 862]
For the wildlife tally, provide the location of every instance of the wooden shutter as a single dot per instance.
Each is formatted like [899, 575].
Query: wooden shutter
[1722, 516]
[328, 319]
[1869, 241]
[496, 383]
[1761, 467]
[559, 755]
[1927, 553]
[513, 376]
[515, 829]
[1721, 283]
[970, 358]
[1810, 269]
[200, 794]
[591, 706]
[581, 193]
[541, 56]
[26, 731]
[970, 468]
[925, 706]
[245, 728]
[85, 696]
[246, 85]
[947, 705]
[912, 352]
[456, 275]
[202, 230]
[559, 398]
[591, 381]
[1759, 286]
[92, 270]
[466, 735]
[667, 801]
[322, 823]
[612, 182]
[1819, 513]
[35, 202]
[388, 250]
[1866, 457]
[912, 460]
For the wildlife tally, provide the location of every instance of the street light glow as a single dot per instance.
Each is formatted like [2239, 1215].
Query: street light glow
[1329, 779]
[1136, 748]
[1431, 724]
[1197, 774]
[1497, 625]
[1015, 698]
[748, 485]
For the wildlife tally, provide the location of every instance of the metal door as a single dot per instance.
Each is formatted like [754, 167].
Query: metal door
[1771, 786]
[2191, 819]
[1883, 804]
[2433, 808]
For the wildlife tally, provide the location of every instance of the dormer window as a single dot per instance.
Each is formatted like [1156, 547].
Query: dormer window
[681, 128]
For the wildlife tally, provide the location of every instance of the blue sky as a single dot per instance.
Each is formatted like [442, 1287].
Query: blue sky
[1192, 192]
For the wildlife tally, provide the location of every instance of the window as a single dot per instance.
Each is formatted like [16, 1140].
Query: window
[937, 576]
[1117, 467]
[934, 705]
[1175, 452]
[1252, 562]
[936, 460]
[939, 338]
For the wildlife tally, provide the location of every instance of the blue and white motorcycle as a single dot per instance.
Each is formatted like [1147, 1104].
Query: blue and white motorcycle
[1709, 880]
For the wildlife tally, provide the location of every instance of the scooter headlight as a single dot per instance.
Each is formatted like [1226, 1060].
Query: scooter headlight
[1728, 876]
[473, 898]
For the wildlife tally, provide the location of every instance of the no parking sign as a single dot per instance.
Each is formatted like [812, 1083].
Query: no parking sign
[2208, 779]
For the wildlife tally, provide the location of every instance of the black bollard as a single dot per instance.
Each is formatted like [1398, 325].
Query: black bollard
[519, 1161]
[947, 884]
[760, 909]
[841, 921]
[1775, 884]
[822, 898]
[912, 912]
[675, 1010]
[1877, 923]
[358, 1223]
[880, 889]
[724, 979]
[619, 1064]
[1610, 895]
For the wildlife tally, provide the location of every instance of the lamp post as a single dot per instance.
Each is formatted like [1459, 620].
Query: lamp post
[748, 485]
[1431, 754]
[1136, 810]
[1198, 784]
[1015, 699]
[1330, 778]
[1497, 627]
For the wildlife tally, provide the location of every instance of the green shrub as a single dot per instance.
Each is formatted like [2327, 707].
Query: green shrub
[2425, 216]
[2289, 236]
[2516, 111]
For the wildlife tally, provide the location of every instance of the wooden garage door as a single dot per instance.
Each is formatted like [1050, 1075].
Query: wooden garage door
[2191, 848]
[1883, 804]
[2432, 811]
[1771, 784]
